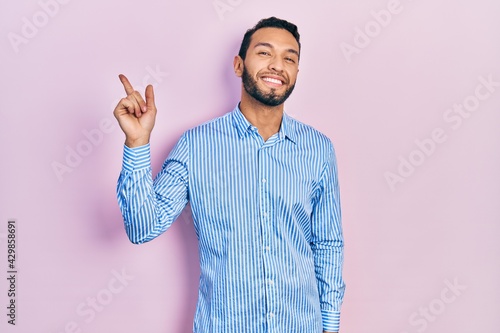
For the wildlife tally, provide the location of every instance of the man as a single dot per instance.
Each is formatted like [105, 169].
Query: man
[264, 197]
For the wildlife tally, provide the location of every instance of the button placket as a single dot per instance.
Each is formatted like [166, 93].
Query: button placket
[266, 225]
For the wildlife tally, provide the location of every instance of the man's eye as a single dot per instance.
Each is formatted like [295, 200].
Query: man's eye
[290, 60]
[264, 53]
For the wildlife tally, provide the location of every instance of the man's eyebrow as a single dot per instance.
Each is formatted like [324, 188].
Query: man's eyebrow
[269, 45]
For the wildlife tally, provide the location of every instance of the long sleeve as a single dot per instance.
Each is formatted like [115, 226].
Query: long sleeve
[328, 245]
[149, 207]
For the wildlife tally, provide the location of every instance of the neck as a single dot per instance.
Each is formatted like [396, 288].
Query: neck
[266, 118]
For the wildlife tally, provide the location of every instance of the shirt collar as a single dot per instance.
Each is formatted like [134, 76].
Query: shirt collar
[244, 127]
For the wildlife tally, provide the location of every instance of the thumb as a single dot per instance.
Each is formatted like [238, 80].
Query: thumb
[150, 98]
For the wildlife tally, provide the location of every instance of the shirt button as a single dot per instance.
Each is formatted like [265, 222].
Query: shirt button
[267, 248]
[271, 315]
[264, 180]
[271, 282]
[265, 214]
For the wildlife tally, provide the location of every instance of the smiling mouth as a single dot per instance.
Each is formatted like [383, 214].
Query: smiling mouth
[272, 81]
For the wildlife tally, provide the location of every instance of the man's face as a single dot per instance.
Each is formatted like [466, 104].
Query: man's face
[271, 66]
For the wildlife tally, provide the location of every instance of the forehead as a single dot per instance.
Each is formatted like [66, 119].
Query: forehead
[279, 38]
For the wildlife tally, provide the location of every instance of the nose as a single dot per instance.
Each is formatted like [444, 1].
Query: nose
[276, 64]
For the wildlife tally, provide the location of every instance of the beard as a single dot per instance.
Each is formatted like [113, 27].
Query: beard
[268, 99]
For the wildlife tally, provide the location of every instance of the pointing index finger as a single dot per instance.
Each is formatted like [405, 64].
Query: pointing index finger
[126, 84]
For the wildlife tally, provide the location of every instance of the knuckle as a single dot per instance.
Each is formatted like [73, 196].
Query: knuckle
[130, 100]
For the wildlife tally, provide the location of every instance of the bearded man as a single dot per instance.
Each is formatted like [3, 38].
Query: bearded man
[264, 195]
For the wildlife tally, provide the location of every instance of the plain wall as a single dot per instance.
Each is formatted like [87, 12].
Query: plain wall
[401, 88]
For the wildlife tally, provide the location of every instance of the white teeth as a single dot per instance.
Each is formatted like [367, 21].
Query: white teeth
[269, 79]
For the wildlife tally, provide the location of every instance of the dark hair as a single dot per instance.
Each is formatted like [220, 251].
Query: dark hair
[271, 22]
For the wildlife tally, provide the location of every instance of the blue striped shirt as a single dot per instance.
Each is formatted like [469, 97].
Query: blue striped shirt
[267, 217]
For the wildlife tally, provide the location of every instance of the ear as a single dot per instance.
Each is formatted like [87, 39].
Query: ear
[238, 66]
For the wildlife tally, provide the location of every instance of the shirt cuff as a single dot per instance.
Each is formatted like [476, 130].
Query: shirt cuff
[331, 321]
[136, 158]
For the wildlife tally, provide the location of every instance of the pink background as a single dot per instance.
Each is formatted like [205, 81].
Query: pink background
[405, 244]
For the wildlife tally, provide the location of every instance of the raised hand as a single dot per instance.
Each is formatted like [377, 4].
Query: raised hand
[136, 116]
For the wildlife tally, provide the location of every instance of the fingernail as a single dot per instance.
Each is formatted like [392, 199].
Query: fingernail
[144, 108]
